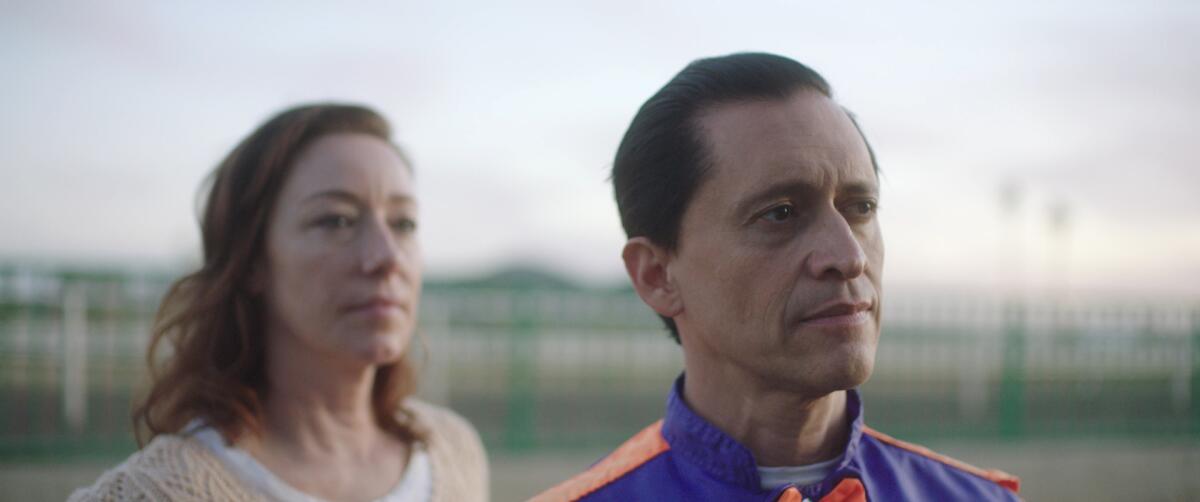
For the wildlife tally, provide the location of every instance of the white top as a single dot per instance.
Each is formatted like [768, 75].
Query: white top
[415, 486]
[773, 477]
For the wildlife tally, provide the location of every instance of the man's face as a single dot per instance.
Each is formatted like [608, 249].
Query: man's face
[780, 252]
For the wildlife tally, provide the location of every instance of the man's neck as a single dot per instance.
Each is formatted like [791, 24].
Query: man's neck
[778, 426]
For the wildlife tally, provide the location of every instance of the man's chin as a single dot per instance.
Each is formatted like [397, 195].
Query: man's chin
[856, 368]
[830, 374]
[848, 380]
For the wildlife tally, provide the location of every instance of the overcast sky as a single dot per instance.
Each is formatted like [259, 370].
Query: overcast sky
[113, 112]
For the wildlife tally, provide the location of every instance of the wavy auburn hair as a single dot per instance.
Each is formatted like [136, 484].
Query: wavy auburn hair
[210, 321]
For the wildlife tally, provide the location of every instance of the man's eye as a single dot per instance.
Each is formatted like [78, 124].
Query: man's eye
[865, 208]
[780, 213]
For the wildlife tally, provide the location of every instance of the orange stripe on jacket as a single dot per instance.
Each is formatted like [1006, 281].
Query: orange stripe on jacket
[638, 450]
[848, 490]
[790, 495]
[1012, 483]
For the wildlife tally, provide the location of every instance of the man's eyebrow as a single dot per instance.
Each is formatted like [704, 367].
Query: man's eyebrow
[803, 188]
[859, 188]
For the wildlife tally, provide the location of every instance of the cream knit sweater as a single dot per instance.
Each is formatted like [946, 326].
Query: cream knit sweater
[174, 467]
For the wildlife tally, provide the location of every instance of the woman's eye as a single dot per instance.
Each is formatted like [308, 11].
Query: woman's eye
[404, 225]
[335, 222]
[780, 213]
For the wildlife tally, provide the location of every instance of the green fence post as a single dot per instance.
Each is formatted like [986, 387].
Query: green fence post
[1012, 381]
[522, 373]
[1195, 384]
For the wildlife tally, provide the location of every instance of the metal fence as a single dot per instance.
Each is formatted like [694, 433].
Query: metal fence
[545, 369]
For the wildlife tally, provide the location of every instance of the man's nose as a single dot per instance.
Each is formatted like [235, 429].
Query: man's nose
[836, 252]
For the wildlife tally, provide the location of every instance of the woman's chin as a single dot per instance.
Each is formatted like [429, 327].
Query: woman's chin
[382, 350]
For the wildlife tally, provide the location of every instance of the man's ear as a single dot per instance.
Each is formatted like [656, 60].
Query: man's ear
[646, 263]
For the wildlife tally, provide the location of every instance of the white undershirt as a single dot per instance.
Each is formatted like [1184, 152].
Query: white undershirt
[415, 486]
[773, 477]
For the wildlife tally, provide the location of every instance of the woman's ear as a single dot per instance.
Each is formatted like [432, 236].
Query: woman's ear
[646, 263]
[256, 284]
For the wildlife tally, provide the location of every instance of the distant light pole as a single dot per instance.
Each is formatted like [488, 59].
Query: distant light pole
[1010, 266]
[1059, 218]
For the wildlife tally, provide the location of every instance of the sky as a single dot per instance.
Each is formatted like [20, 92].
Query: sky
[113, 113]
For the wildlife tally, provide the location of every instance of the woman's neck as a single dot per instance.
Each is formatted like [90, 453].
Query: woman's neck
[319, 432]
[317, 406]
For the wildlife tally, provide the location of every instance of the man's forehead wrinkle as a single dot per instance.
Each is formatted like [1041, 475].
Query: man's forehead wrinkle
[821, 171]
[797, 147]
[803, 142]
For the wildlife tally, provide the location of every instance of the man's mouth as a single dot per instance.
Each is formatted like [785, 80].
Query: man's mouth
[842, 313]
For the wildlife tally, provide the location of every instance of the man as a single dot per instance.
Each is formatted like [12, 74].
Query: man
[749, 197]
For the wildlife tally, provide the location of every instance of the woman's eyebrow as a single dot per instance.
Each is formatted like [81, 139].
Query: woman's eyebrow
[336, 194]
[351, 198]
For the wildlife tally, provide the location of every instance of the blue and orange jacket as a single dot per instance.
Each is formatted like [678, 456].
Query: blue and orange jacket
[683, 457]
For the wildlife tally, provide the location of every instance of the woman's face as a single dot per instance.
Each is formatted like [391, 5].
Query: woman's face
[342, 270]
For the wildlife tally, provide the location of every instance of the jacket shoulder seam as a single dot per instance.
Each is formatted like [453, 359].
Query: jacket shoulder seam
[1004, 479]
[633, 454]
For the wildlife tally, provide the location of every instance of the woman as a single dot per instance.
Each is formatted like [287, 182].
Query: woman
[285, 377]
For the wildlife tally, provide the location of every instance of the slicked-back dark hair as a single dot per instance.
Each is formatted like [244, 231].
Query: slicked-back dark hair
[663, 157]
